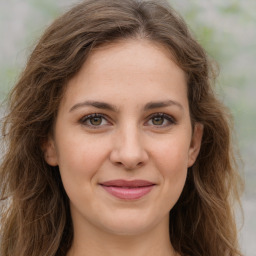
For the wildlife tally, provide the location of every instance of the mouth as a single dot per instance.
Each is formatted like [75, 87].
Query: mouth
[128, 190]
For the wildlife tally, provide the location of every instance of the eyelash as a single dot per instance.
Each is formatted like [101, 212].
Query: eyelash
[87, 118]
[169, 118]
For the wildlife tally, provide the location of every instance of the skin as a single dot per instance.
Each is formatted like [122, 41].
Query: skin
[125, 142]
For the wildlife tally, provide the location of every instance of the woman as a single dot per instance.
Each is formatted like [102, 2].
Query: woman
[116, 143]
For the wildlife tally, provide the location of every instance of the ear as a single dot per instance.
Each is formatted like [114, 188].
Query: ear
[50, 153]
[195, 143]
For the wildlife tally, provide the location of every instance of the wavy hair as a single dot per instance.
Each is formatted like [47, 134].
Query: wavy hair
[35, 215]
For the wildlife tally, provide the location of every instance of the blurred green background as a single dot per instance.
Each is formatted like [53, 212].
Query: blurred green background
[227, 29]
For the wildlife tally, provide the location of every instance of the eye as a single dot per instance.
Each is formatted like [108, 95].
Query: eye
[158, 120]
[94, 120]
[161, 120]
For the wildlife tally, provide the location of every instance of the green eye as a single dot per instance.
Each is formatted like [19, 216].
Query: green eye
[94, 120]
[97, 120]
[158, 120]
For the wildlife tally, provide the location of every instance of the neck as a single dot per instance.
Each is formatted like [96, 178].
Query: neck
[91, 241]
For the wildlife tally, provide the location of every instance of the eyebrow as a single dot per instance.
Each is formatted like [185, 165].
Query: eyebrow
[107, 106]
[161, 104]
[96, 104]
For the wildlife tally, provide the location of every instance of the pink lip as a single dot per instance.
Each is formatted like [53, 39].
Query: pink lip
[129, 190]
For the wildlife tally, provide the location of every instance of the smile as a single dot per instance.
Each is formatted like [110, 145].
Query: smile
[128, 190]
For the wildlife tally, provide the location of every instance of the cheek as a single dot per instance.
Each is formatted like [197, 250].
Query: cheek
[174, 174]
[79, 165]
[79, 161]
[171, 161]
[173, 167]
[171, 154]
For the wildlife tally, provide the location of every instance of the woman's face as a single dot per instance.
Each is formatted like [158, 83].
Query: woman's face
[123, 139]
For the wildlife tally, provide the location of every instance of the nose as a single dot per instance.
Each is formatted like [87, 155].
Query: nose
[128, 149]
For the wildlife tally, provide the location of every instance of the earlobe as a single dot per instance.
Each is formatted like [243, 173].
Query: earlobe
[195, 143]
[50, 154]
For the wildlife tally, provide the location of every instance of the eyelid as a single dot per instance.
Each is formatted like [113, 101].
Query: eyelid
[87, 117]
[168, 117]
[171, 120]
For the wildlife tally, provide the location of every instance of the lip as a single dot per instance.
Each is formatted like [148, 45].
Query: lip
[128, 190]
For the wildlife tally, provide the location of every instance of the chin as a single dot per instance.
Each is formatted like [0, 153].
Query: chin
[130, 225]
[127, 230]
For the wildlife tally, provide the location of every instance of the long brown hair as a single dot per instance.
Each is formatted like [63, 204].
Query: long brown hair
[35, 216]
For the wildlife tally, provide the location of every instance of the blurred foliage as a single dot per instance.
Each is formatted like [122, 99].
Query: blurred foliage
[227, 30]
[20, 28]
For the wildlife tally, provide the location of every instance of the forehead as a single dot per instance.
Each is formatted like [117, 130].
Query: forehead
[132, 50]
[128, 66]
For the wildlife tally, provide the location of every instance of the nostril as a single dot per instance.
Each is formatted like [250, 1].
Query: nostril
[128, 157]
[129, 167]
[140, 164]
